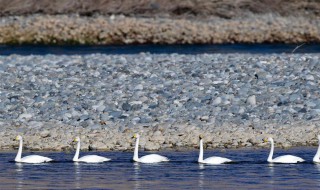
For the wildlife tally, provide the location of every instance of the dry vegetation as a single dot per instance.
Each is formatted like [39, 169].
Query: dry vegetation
[163, 8]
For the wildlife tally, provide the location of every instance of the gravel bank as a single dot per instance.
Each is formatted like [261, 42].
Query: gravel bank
[74, 29]
[234, 100]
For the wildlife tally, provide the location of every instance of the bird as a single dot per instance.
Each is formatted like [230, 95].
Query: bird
[33, 159]
[151, 158]
[286, 159]
[210, 160]
[88, 158]
[316, 157]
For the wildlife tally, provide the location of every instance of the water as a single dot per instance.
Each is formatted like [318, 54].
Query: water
[182, 49]
[250, 171]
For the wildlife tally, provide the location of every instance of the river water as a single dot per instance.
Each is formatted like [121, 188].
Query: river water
[249, 171]
[181, 49]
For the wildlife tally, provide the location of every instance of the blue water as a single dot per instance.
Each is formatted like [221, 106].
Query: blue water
[181, 49]
[250, 171]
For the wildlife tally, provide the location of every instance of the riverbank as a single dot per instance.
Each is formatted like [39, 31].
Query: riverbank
[105, 22]
[234, 100]
[106, 30]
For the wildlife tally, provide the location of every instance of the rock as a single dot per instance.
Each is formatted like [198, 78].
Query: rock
[217, 101]
[45, 134]
[25, 116]
[251, 100]
[151, 146]
[169, 100]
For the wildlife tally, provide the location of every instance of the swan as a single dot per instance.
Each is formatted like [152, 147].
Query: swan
[286, 159]
[32, 159]
[316, 157]
[88, 158]
[210, 160]
[151, 158]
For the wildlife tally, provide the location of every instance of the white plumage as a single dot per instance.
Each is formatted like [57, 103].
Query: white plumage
[88, 158]
[32, 159]
[286, 159]
[151, 158]
[210, 160]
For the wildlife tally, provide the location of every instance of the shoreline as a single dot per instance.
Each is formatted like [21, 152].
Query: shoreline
[119, 29]
[170, 99]
[195, 149]
[101, 140]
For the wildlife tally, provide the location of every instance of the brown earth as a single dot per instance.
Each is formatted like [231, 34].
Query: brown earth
[163, 8]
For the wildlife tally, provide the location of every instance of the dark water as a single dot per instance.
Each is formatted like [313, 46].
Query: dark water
[181, 49]
[250, 171]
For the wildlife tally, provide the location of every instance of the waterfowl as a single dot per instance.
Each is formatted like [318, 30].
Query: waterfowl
[33, 159]
[151, 158]
[88, 158]
[316, 157]
[286, 159]
[210, 160]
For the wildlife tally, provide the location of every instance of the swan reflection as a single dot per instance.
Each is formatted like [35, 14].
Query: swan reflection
[201, 176]
[136, 176]
[317, 166]
[78, 175]
[20, 174]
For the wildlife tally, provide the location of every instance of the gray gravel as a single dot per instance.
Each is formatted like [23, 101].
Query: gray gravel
[234, 100]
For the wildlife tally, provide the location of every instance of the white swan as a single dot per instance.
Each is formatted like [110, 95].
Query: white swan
[88, 158]
[151, 158]
[33, 159]
[210, 160]
[286, 159]
[316, 157]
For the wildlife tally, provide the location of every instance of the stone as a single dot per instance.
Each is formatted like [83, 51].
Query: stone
[251, 100]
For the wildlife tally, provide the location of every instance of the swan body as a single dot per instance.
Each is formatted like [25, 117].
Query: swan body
[32, 159]
[210, 160]
[88, 158]
[316, 157]
[286, 159]
[151, 158]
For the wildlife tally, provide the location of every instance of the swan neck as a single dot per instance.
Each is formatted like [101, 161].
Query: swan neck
[136, 148]
[200, 159]
[18, 157]
[271, 152]
[316, 157]
[76, 155]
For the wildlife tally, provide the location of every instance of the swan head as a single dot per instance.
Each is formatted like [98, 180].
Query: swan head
[135, 136]
[269, 139]
[76, 139]
[18, 138]
[200, 137]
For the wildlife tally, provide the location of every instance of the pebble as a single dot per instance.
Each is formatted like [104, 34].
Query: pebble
[168, 98]
[98, 30]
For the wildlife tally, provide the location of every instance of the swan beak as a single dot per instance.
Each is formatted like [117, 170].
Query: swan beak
[16, 139]
[265, 140]
[75, 140]
[200, 137]
[134, 136]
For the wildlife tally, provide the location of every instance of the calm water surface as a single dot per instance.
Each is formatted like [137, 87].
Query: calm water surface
[156, 49]
[250, 171]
